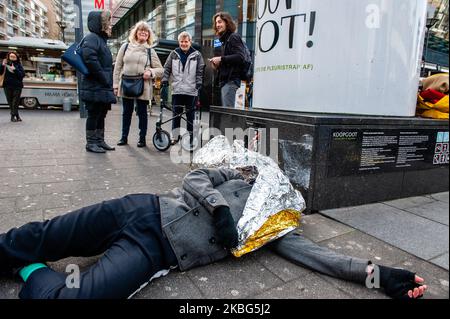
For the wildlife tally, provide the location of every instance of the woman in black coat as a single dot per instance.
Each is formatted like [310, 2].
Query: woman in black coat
[13, 83]
[97, 87]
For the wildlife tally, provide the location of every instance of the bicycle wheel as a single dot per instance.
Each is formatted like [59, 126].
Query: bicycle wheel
[161, 140]
[186, 142]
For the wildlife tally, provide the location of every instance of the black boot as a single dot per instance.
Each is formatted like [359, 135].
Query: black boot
[18, 118]
[13, 118]
[122, 141]
[101, 140]
[91, 142]
[141, 142]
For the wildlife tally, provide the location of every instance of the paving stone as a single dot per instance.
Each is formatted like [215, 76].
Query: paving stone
[405, 203]
[7, 205]
[396, 227]
[443, 197]
[17, 219]
[441, 261]
[318, 228]
[278, 266]
[356, 290]
[25, 203]
[176, 285]
[436, 211]
[358, 244]
[233, 278]
[308, 287]
[85, 198]
[11, 181]
[39, 163]
[20, 190]
[9, 289]
[65, 187]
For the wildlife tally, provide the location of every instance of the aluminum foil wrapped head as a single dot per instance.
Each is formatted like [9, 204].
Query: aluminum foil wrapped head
[273, 207]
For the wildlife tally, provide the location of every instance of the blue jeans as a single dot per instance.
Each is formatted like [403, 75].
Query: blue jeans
[141, 111]
[228, 93]
[128, 232]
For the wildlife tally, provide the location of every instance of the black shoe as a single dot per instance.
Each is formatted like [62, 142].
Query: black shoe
[18, 118]
[141, 144]
[13, 118]
[122, 142]
[94, 148]
[105, 146]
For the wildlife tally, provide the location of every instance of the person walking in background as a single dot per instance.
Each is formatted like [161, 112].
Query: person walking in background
[232, 59]
[97, 87]
[137, 58]
[184, 67]
[13, 75]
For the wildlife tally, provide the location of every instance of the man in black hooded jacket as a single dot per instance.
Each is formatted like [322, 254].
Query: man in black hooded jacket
[97, 87]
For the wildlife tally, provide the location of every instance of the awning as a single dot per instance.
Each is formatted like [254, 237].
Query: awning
[121, 9]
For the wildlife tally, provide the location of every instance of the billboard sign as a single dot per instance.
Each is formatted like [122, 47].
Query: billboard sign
[347, 56]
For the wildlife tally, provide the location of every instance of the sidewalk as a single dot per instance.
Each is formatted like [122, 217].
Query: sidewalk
[45, 172]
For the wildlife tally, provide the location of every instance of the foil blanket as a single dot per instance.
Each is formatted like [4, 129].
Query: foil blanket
[273, 207]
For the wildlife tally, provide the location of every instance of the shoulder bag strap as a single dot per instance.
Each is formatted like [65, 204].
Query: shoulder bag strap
[149, 58]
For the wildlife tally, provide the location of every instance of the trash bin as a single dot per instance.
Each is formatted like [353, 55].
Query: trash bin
[67, 104]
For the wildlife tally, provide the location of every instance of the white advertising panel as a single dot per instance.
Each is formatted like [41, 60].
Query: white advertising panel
[339, 56]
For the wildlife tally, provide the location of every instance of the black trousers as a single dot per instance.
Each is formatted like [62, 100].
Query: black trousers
[141, 111]
[179, 103]
[96, 114]
[13, 98]
[128, 232]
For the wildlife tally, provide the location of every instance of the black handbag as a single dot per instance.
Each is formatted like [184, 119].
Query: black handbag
[133, 85]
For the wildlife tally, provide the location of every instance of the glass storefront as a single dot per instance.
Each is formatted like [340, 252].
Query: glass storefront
[170, 18]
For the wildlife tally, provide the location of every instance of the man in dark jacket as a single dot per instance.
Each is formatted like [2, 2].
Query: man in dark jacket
[97, 87]
[143, 236]
[232, 59]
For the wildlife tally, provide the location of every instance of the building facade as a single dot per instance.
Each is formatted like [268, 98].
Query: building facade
[54, 15]
[436, 45]
[26, 18]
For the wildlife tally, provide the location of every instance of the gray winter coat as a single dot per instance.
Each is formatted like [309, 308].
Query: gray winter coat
[185, 81]
[187, 221]
[186, 213]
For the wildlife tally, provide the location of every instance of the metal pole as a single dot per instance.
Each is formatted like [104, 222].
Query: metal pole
[426, 51]
[78, 36]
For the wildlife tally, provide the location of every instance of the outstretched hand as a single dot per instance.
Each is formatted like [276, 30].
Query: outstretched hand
[418, 291]
[401, 284]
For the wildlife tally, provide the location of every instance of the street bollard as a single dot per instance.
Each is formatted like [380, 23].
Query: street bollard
[67, 104]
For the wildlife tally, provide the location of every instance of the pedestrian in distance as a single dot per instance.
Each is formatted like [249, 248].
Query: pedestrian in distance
[12, 73]
[230, 63]
[136, 58]
[144, 236]
[184, 68]
[96, 89]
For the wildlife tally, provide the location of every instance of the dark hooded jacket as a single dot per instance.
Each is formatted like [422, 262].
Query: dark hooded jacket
[233, 57]
[97, 86]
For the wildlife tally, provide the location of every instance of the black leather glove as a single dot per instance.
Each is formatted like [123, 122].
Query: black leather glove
[226, 230]
[164, 92]
[397, 282]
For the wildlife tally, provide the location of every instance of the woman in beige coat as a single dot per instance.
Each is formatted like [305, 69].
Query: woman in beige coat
[133, 59]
